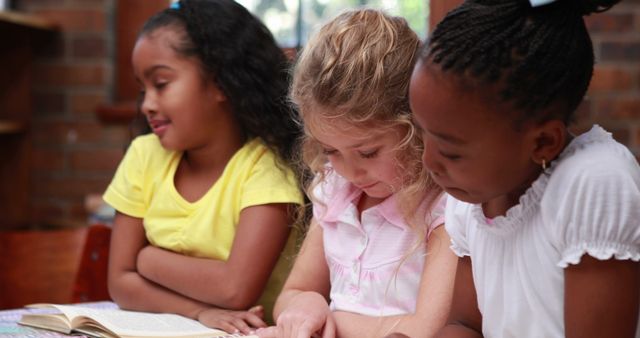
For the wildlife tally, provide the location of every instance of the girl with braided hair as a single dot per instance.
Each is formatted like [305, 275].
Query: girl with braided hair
[546, 224]
[205, 202]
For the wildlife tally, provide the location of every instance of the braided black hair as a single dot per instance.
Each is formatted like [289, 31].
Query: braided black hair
[240, 54]
[541, 58]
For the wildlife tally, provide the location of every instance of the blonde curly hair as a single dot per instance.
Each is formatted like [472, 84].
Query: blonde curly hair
[356, 70]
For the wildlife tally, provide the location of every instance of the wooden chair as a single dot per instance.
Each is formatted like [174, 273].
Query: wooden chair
[53, 266]
[91, 279]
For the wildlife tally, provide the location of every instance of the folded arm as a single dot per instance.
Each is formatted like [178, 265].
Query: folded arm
[127, 287]
[237, 283]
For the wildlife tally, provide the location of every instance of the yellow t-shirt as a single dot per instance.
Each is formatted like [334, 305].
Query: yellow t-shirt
[143, 187]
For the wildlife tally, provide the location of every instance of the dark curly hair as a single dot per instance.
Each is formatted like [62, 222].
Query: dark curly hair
[540, 58]
[239, 53]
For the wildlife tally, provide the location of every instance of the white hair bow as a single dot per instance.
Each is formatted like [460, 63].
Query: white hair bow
[538, 3]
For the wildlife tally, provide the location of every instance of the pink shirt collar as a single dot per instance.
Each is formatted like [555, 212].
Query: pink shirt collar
[347, 193]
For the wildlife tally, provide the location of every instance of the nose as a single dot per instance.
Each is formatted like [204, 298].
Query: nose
[147, 104]
[430, 159]
[352, 170]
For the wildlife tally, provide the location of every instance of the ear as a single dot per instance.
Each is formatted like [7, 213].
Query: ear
[218, 94]
[550, 138]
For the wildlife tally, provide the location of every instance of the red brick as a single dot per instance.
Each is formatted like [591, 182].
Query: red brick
[69, 187]
[52, 48]
[31, 4]
[77, 212]
[47, 160]
[85, 20]
[65, 75]
[608, 79]
[117, 135]
[583, 112]
[103, 160]
[88, 48]
[42, 211]
[581, 127]
[60, 132]
[622, 135]
[85, 3]
[85, 104]
[610, 22]
[48, 103]
[618, 109]
[620, 51]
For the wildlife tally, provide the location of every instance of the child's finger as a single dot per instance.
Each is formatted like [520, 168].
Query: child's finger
[267, 332]
[254, 320]
[329, 330]
[257, 308]
[225, 326]
[241, 325]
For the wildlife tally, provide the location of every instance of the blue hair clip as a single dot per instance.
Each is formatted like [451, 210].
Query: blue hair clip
[538, 3]
[175, 5]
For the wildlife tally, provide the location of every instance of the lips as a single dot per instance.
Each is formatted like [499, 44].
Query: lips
[366, 186]
[159, 126]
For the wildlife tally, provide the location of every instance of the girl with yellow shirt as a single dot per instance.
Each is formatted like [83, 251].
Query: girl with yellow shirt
[204, 203]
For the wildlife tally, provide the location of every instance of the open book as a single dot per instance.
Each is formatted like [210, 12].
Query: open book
[117, 323]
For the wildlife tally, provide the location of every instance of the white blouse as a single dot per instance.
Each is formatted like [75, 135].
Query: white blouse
[587, 202]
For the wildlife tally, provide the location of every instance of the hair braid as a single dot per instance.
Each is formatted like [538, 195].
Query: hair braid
[541, 58]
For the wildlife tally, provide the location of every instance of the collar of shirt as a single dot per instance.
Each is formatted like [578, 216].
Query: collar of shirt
[347, 194]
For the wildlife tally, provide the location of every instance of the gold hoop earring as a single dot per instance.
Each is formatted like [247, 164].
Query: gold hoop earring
[544, 164]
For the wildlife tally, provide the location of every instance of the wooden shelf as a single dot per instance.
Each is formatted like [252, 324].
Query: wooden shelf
[24, 20]
[10, 127]
[21, 34]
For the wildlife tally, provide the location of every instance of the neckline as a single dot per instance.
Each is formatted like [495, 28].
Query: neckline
[529, 202]
[177, 157]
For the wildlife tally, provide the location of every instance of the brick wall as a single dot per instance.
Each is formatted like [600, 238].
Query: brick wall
[73, 153]
[614, 96]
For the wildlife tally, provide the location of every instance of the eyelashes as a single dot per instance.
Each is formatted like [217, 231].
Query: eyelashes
[448, 156]
[369, 154]
[363, 154]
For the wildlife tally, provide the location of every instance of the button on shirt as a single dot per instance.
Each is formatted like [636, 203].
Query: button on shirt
[375, 264]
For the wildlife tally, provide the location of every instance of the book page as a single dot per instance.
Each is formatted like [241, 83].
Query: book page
[130, 323]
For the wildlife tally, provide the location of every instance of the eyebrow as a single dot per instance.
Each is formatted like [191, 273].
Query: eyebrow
[449, 138]
[150, 71]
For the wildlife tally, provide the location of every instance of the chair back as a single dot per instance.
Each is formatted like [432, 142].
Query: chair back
[91, 279]
[53, 266]
[38, 266]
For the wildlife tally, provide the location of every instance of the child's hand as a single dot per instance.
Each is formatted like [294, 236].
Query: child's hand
[272, 332]
[307, 315]
[233, 321]
[269, 332]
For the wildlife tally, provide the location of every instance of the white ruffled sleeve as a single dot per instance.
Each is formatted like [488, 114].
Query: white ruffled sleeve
[456, 223]
[596, 209]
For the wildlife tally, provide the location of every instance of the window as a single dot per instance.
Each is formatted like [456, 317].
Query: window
[292, 21]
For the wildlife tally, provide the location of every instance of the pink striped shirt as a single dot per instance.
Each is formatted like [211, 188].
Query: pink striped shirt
[375, 264]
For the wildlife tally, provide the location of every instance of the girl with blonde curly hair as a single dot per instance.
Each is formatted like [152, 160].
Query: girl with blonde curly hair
[376, 256]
